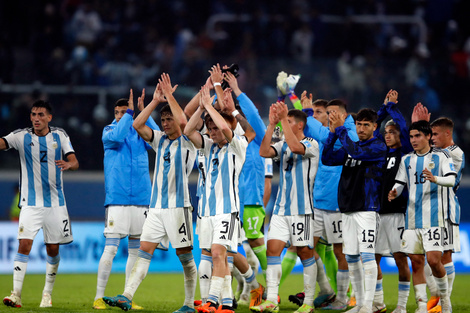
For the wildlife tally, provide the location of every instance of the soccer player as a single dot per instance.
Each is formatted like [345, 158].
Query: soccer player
[392, 214]
[358, 198]
[219, 225]
[426, 173]
[169, 216]
[254, 178]
[292, 219]
[328, 221]
[45, 152]
[127, 186]
[442, 131]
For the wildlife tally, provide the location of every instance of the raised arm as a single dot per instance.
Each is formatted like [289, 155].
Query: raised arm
[3, 144]
[112, 136]
[191, 128]
[176, 110]
[193, 104]
[314, 128]
[291, 139]
[265, 149]
[219, 121]
[248, 108]
[230, 109]
[216, 78]
[139, 123]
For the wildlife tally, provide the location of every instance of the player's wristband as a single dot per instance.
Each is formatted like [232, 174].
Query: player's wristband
[235, 113]
[131, 112]
[217, 84]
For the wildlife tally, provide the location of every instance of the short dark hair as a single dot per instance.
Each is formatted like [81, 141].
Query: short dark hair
[43, 104]
[367, 115]
[320, 103]
[166, 110]
[422, 126]
[123, 102]
[298, 115]
[443, 122]
[227, 117]
[339, 103]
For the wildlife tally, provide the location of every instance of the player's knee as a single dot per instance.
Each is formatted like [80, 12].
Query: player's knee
[111, 250]
[111, 246]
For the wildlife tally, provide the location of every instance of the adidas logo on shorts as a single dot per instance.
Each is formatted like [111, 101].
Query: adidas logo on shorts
[370, 246]
[300, 239]
[436, 244]
[222, 237]
[184, 240]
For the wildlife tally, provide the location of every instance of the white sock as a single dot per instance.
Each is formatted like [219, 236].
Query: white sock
[227, 295]
[273, 277]
[430, 282]
[420, 296]
[205, 274]
[251, 257]
[105, 265]
[403, 293]
[356, 275]
[52, 265]
[322, 279]
[442, 286]
[370, 278]
[138, 273]
[239, 278]
[19, 271]
[250, 279]
[379, 293]
[132, 248]
[342, 284]
[310, 278]
[216, 288]
[450, 270]
[190, 277]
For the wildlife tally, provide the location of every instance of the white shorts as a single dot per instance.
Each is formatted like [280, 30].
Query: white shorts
[296, 230]
[222, 229]
[328, 225]
[125, 220]
[242, 236]
[359, 232]
[390, 233]
[451, 239]
[54, 221]
[173, 225]
[422, 240]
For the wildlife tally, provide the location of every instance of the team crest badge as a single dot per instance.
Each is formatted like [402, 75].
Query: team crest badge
[431, 165]
[21, 229]
[111, 223]
[55, 145]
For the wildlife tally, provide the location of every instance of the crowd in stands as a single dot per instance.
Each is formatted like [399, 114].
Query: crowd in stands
[122, 42]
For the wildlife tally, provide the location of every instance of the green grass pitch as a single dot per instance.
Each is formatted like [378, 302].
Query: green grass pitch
[165, 293]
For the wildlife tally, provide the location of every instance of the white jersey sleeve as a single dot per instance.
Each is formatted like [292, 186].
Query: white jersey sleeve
[268, 168]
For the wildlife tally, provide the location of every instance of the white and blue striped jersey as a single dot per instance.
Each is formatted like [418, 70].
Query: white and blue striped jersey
[41, 179]
[427, 204]
[173, 164]
[297, 176]
[458, 158]
[223, 165]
